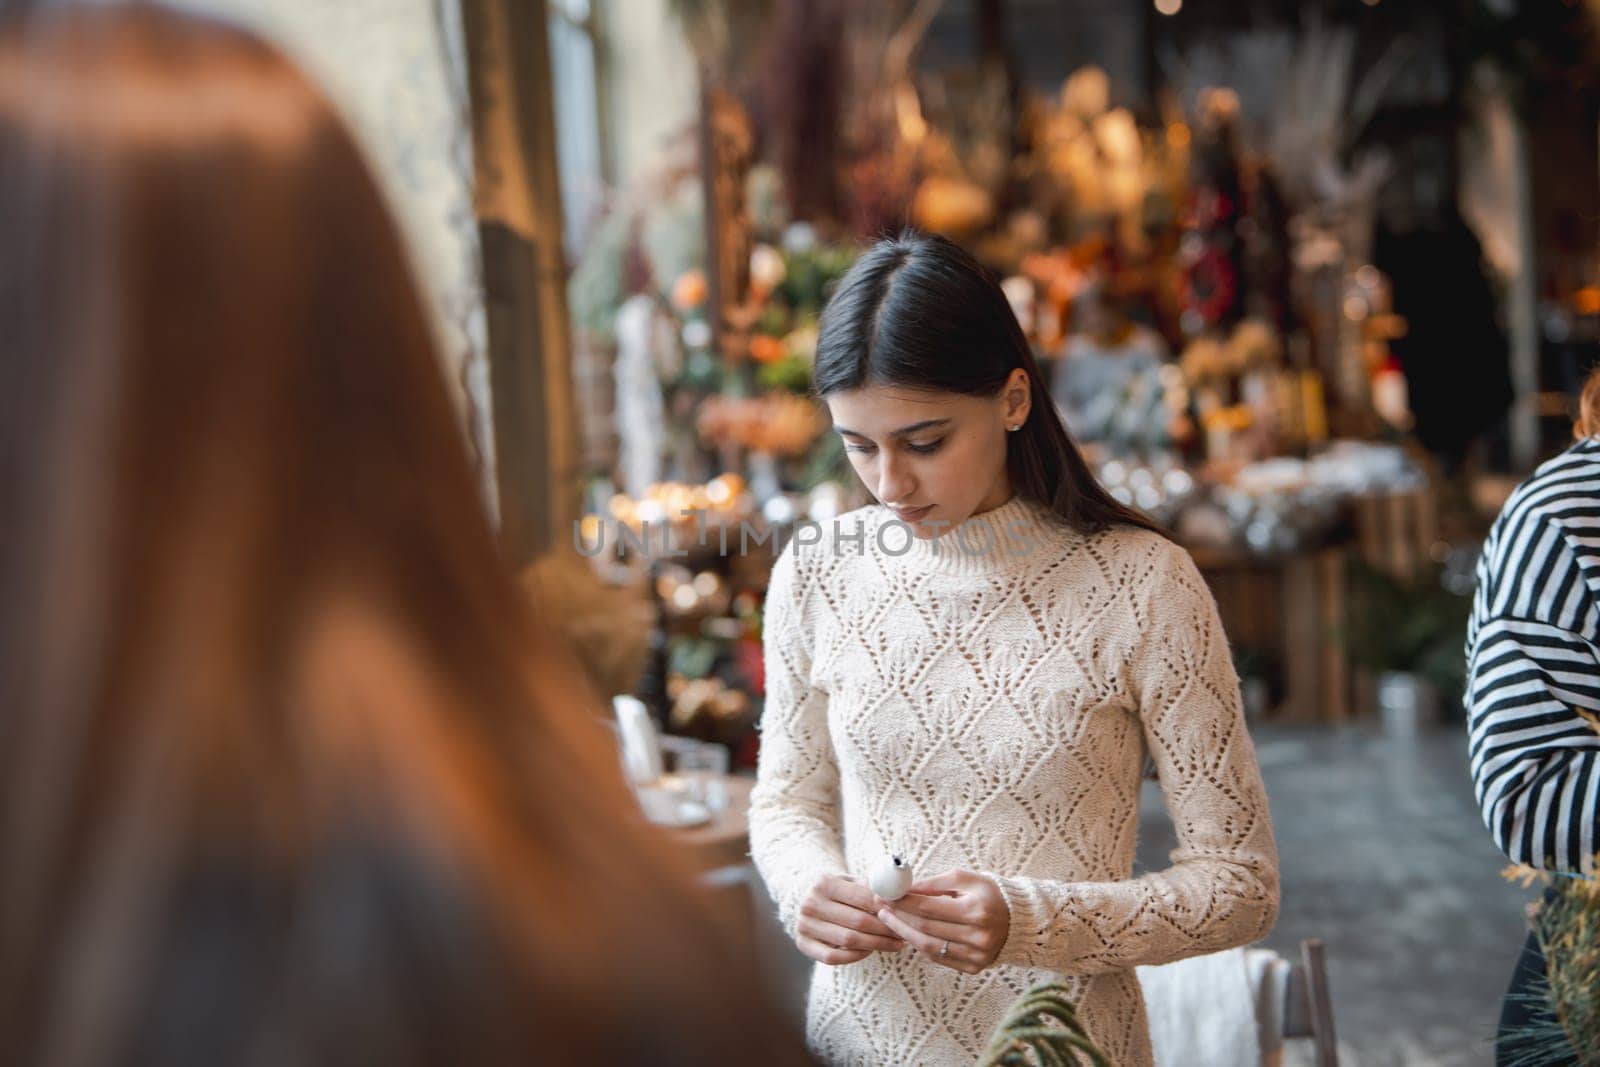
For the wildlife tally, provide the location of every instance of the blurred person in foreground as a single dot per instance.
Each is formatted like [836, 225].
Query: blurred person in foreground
[286, 774]
[1533, 689]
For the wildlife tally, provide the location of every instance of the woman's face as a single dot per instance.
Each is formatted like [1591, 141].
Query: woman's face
[934, 458]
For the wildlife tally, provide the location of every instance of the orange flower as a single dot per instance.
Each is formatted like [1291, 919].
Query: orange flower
[689, 292]
[767, 349]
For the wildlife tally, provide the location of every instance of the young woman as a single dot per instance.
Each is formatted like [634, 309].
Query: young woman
[1532, 699]
[972, 684]
[287, 776]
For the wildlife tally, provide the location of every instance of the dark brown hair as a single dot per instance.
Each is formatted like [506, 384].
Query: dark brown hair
[917, 311]
[287, 774]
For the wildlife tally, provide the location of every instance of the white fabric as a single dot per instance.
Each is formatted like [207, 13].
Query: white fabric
[1224, 1009]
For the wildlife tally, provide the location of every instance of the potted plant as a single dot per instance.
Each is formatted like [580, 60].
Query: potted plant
[1411, 635]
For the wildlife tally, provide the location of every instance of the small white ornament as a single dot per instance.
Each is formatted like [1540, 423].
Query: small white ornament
[767, 268]
[891, 880]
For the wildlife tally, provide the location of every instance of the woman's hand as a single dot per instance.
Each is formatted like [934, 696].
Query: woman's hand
[837, 924]
[959, 919]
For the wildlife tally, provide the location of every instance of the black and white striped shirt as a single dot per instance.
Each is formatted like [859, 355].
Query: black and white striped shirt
[1533, 663]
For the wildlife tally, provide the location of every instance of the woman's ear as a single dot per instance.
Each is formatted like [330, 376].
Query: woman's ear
[1018, 396]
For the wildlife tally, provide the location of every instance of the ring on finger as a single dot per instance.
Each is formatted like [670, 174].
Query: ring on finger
[945, 951]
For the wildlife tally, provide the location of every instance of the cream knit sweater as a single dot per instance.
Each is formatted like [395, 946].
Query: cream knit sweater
[985, 701]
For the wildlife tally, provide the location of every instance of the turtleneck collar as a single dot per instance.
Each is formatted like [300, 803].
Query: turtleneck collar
[1001, 539]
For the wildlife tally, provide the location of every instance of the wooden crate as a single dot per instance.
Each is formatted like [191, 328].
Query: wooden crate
[1295, 607]
[1396, 532]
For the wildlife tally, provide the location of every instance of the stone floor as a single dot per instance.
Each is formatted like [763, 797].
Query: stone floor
[1384, 858]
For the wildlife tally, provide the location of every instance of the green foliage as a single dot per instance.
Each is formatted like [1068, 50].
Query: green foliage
[1416, 626]
[594, 291]
[1564, 1003]
[1538, 1043]
[672, 235]
[667, 240]
[826, 463]
[1568, 929]
[1042, 1029]
[792, 374]
[692, 657]
[811, 274]
[774, 319]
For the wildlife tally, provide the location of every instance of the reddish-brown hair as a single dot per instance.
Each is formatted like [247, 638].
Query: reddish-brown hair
[1588, 421]
[286, 773]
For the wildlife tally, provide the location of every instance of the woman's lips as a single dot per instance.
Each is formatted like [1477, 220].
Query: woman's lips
[912, 514]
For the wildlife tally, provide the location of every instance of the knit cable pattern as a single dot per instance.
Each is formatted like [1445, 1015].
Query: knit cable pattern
[985, 701]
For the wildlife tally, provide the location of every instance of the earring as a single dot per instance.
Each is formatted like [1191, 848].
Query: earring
[1013, 429]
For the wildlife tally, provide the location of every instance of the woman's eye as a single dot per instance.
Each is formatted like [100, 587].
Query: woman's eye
[862, 450]
[928, 448]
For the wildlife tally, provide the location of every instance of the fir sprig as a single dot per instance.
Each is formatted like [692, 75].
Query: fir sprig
[1564, 1003]
[1044, 1023]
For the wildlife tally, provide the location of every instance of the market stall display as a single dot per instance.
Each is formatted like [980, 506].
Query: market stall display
[1194, 279]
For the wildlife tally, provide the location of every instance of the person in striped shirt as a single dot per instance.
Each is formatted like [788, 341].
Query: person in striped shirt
[1533, 687]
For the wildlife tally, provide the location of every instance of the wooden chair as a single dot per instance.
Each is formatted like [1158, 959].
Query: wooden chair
[1308, 1005]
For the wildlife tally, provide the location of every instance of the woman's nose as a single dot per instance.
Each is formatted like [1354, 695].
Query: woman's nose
[895, 484]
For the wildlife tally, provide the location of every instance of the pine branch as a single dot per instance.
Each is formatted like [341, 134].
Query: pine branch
[1045, 1023]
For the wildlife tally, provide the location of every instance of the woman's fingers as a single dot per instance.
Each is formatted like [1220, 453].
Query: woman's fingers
[837, 925]
[947, 951]
[972, 902]
[943, 908]
[841, 936]
[937, 929]
[947, 882]
[905, 930]
[828, 953]
[853, 894]
[843, 921]
[851, 918]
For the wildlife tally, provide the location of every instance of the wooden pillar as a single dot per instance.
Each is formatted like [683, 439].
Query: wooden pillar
[717, 295]
[518, 204]
[725, 157]
[1523, 308]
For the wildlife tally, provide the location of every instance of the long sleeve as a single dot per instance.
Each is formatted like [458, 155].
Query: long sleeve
[1222, 887]
[1533, 679]
[794, 808]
